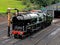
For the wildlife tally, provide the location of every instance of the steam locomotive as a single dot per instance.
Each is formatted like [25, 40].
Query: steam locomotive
[24, 24]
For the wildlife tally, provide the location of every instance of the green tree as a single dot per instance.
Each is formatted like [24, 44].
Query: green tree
[37, 4]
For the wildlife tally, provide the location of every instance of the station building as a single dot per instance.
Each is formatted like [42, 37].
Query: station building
[54, 10]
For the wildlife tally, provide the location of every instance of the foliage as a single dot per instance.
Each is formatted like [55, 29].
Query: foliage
[40, 3]
[25, 4]
[4, 4]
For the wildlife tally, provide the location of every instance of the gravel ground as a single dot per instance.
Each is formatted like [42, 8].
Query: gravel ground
[48, 36]
[3, 19]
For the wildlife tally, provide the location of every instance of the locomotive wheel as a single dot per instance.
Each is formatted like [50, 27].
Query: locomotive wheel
[49, 23]
[16, 36]
[21, 37]
[43, 26]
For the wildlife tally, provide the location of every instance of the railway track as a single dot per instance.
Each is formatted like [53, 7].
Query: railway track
[41, 35]
[56, 23]
[37, 41]
[31, 40]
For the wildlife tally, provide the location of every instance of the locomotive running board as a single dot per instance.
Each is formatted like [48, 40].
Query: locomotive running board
[36, 28]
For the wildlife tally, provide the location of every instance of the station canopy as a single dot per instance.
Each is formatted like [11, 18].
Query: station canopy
[53, 7]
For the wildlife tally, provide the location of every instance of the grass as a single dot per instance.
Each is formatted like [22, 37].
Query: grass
[4, 4]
